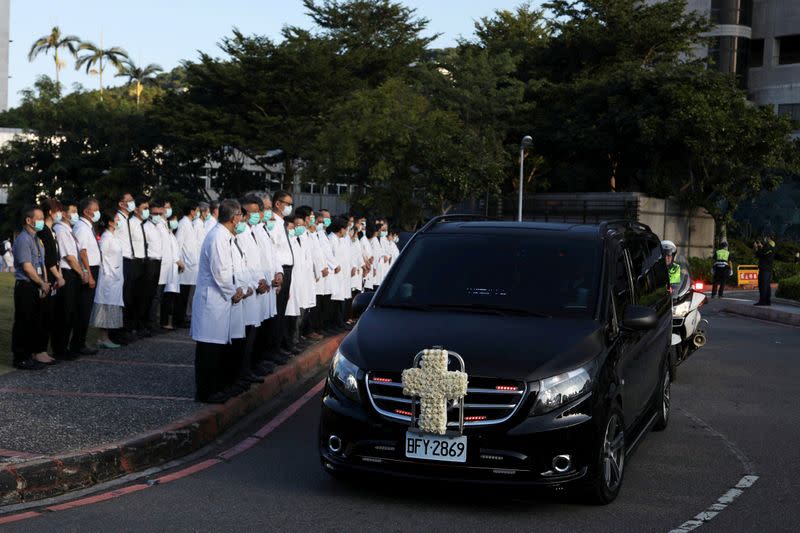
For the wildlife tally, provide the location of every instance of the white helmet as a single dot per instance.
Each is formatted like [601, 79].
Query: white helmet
[669, 248]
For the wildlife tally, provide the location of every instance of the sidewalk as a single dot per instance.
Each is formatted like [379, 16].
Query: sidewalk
[83, 422]
[740, 302]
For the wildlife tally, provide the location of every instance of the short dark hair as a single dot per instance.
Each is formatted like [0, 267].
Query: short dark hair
[188, 207]
[280, 195]
[227, 210]
[251, 199]
[28, 212]
[50, 204]
[122, 196]
[86, 202]
[214, 205]
[142, 199]
[303, 211]
[158, 202]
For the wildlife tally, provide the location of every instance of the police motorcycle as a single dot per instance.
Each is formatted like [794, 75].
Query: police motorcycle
[688, 326]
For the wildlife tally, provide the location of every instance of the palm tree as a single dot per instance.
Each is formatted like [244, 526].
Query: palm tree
[139, 75]
[55, 42]
[96, 56]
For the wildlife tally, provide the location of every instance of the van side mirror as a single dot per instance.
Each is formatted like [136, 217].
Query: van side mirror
[361, 302]
[639, 318]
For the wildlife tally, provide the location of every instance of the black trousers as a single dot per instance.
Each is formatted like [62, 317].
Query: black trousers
[65, 312]
[27, 327]
[283, 326]
[208, 369]
[764, 288]
[85, 303]
[232, 361]
[326, 311]
[48, 321]
[147, 291]
[181, 306]
[249, 350]
[720, 277]
[168, 304]
[133, 272]
[264, 347]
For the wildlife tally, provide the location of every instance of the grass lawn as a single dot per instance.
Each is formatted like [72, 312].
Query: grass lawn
[7, 320]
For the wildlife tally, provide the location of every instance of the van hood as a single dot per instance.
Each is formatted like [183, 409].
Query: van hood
[515, 348]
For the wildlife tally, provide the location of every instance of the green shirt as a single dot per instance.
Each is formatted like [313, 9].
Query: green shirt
[674, 274]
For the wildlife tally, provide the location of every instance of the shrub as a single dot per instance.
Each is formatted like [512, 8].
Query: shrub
[784, 270]
[789, 288]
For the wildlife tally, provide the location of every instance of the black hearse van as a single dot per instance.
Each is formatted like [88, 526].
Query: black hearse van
[563, 331]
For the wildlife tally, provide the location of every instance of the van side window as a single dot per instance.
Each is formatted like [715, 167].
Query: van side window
[650, 284]
[622, 286]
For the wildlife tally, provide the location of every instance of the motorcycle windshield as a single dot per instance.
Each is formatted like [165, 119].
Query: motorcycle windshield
[679, 290]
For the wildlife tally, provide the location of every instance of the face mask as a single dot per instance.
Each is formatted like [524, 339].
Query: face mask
[156, 219]
[270, 225]
[240, 227]
[131, 206]
[299, 230]
[145, 214]
[96, 217]
[254, 219]
[167, 212]
[267, 214]
[74, 218]
[313, 220]
[287, 211]
[383, 234]
[208, 217]
[326, 221]
[173, 225]
[38, 225]
[196, 215]
[290, 232]
[57, 217]
[320, 227]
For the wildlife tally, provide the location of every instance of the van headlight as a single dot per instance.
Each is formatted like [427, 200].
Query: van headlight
[562, 389]
[344, 376]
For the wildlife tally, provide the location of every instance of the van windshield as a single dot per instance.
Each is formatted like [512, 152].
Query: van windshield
[515, 274]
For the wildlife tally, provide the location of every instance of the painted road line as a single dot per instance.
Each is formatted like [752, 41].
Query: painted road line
[722, 503]
[199, 467]
[97, 498]
[18, 517]
[74, 394]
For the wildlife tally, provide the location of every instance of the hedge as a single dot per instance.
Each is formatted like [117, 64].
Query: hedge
[789, 288]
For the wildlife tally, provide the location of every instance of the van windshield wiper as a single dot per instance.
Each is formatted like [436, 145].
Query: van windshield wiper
[493, 309]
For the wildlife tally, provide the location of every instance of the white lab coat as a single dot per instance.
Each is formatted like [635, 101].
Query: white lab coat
[269, 268]
[314, 259]
[253, 306]
[241, 276]
[367, 254]
[188, 250]
[211, 306]
[325, 285]
[341, 282]
[318, 259]
[168, 277]
[110, 280]
[357, 261]
[302, 279]
[379, 265]
[394, 253]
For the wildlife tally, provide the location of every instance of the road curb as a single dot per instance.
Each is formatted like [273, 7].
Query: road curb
[50, 476]
[762, 313]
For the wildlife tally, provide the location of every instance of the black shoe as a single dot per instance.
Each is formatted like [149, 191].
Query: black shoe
[266, 367]
[217, 397]
[29, 364]
[252, 378]
[760, 304]
[281, 359]
[297, 350]
[284, 353]
[87, 351]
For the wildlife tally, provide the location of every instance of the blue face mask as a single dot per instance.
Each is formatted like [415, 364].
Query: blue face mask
[57, 217]
[240, 227]
[384, 234]
[167, 212]
[173, 225]
[299, 230]
[290, 232]
[38, 225]
[156, 219]
[268, 214]
[96, 217]
[326, 221]
[270, 225]
[131, 206]
[254, 219]
[145, 214]
[196, 215]
[74, 218]
[208, 217]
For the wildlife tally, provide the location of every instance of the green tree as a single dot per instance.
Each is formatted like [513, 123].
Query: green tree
[139, 76]
[53, 42]
[96, 58]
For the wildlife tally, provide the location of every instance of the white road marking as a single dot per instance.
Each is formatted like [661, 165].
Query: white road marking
[724, 501]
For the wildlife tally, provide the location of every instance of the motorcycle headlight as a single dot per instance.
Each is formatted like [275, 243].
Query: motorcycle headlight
[344, 376]
[562, 389]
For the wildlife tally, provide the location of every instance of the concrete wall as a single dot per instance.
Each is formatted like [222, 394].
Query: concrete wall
[692, 233]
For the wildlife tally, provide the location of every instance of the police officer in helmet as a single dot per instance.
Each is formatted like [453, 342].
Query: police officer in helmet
[722, 269]
[670, 250]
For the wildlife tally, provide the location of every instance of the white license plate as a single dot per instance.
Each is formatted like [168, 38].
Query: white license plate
[436, 448]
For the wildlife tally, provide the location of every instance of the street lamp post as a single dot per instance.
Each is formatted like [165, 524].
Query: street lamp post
[526, 143]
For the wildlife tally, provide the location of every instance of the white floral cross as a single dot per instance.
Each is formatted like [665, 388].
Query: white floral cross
[434, 385]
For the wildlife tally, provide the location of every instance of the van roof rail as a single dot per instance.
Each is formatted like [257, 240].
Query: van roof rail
[627, 224]
[451, 218]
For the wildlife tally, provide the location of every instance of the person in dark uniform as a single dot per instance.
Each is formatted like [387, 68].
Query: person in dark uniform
[30, 288]
[53, 213]
[765, 251]
[722, 268]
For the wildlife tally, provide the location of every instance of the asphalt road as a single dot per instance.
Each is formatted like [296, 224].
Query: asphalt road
[736, 412]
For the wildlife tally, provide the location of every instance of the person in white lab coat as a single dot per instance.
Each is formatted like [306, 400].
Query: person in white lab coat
[302, 290]
[108, 302]
[155, 252]
[216, 294]
[340, 245]
[171, 266]
[312, 328]
[188, 252]
[264, 360]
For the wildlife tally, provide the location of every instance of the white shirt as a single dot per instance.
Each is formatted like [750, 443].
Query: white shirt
[269, 261]
[281, 241]
[169, 259]
[123, 236]
[137, 236]
[253, 306]
[211, 306]
[188, 250]
[209, 224]
[67, 245]
[154, 239]
[84, 233]
[110, 280]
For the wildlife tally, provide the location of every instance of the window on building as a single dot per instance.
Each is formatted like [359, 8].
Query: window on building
[790, 110]
[788, 49]
[738, 12]
[756, 53]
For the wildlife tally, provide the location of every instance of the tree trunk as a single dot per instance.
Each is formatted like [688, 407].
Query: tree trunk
[138, 92]
[57, 69]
